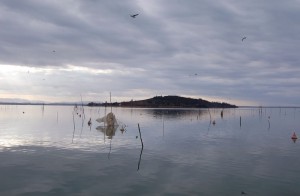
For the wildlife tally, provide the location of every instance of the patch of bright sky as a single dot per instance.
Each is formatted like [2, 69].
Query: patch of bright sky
[87, 70]
[14, 70]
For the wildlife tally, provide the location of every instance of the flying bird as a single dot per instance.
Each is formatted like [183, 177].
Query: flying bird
[134, 15]
[244, 38]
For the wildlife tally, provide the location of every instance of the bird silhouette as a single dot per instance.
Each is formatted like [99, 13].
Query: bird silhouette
[134, 15]
[243, 38]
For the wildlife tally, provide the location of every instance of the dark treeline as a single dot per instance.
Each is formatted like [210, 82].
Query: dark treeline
[168, 102]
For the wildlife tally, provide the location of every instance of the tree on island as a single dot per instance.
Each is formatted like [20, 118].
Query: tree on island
[169, 101]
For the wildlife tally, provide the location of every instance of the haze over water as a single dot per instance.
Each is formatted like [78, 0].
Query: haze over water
[44, 152]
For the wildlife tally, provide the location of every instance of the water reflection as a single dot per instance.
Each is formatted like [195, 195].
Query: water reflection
[228, 160]
[108, 131]
[175, 113]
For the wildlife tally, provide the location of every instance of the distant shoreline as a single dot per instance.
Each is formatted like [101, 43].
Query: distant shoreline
[170, 101]
[79, 104]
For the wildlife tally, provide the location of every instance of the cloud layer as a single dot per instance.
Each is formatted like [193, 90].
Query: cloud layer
[57, 51]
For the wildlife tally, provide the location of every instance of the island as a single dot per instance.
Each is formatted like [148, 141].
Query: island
[169, 101]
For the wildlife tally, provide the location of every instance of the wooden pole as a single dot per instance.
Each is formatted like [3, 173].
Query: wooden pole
[141, 148]
[140, 136]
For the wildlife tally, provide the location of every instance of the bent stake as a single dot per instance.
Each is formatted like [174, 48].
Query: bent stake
[141, 148]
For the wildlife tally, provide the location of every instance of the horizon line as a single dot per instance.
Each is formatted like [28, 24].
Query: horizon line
[86, 104]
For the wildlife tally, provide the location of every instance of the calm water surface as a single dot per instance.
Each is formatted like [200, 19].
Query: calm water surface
[52, 150]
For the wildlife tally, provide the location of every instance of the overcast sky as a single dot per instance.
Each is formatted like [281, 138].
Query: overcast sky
[55, 50]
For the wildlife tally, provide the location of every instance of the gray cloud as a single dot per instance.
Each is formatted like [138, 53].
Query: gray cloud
[189, 48]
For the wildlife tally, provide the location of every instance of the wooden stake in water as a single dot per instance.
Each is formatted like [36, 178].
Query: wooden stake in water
[74, 127]
[141, 136]
[82, 107]
[240, 121]
[163, 126]
[43, 109]
[110, 101]
[209, 116]
[141, 148]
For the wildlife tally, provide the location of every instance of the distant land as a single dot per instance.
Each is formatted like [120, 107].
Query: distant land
[168, 102]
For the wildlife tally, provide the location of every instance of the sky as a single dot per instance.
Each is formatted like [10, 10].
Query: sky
[62, 51]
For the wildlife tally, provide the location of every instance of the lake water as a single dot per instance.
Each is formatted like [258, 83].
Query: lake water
[51, 150]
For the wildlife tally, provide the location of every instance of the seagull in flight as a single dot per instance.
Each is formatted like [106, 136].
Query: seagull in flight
[134, 15]
[243, 38]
